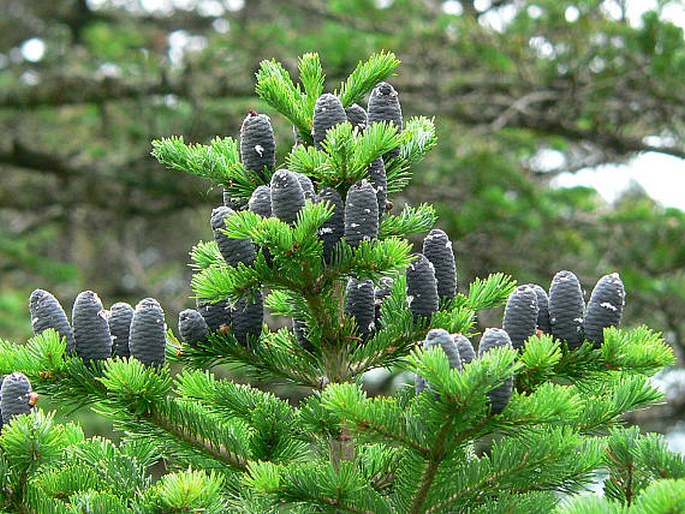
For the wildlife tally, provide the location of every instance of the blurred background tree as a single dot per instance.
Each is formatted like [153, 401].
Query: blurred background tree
[522, 91]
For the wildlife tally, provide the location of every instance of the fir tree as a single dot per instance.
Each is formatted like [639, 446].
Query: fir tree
[506, 428]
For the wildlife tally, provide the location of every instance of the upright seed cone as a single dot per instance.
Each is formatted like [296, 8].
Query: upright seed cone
[333, 228]
[566, 306]
[361, 214]
[46, 312]
[120, 317]
[328, 112]
[258, 145]
[248, 317]
[543, 308]
[384, 105]
[422, 288]
[442, 338]
[15, 394]
[379, 181]
[357, 116]
[192, 327]
[380, 293]
[360, 305]
[91, 330]
[287, 196]
[148, 338]
[234, 251]
[216, 314]
[465, 348]
[521, 315]
[499, 396]
[437, 248]
[260, 201]
[605, 307]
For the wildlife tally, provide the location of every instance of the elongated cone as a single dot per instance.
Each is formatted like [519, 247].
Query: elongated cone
[328, 112]
[357, 116]
[422, 288]
[216, 314]
[120, 317]
[287, 196]
[361, 214]
[384, 105]
[437, 248]
[543, 308]
[499, 396]
[360, 305]
[234, 251]
[379, 181]
[248, 317]
[333, 228]
[91, 330]
[300, 331]
[566, 306]
[258, 145]
[521, 315]
[605, 307]
[380, 293]
[46, 312]
[192, 327]
[148, 338]
[442, 338]
[260, 201]
[15, 396]
[466, 351]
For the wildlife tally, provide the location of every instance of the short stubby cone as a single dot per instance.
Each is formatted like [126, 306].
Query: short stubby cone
[46, 312]
[91, 329]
